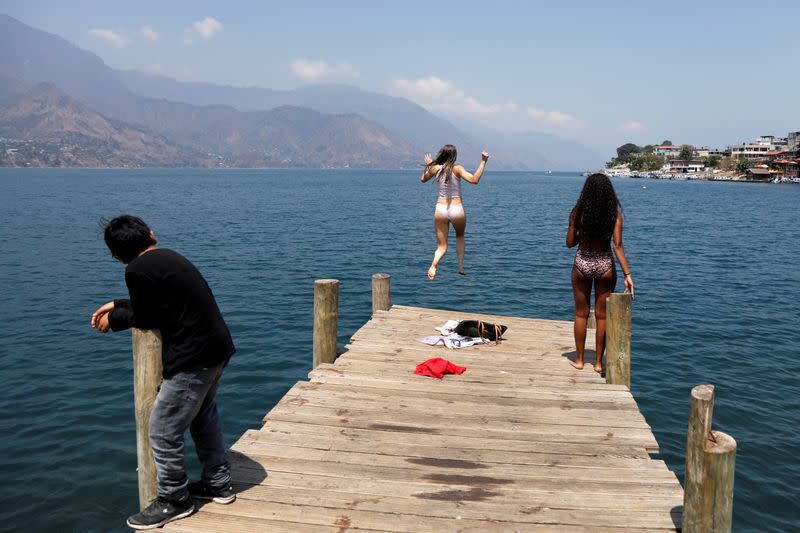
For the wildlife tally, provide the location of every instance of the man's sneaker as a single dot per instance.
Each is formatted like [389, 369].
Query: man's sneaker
[160, 512]
[201, 491]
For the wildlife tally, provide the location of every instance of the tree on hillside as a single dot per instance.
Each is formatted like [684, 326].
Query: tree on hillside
[626, 150]
[648, 149]
[742, 164]
[686, 152]
[647, 163]
[666, 143]
[727, 164]
[712, 161]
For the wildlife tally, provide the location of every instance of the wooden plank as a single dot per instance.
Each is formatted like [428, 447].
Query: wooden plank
[345, 418]
[405, 435]
[345, 396]
[446, 389]
[268, 464]
[400, 514]
[384, 443]
[258, 447]
[250, 483]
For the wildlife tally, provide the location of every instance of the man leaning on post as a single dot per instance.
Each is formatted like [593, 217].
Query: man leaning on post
[169, 294]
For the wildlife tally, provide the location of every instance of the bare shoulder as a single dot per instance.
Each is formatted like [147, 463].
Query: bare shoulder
[459, 170]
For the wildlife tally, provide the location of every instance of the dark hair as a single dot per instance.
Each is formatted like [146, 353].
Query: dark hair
[597, 209]
[127, 236]
[447, 158]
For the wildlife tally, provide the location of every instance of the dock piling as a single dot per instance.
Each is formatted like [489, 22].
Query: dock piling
[381, 292]
[619, 308]
[326, 318]
[146, 346]
[710, 466]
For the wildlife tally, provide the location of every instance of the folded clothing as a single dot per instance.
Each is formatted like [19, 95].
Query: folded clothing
[452, 341]
[437, 368]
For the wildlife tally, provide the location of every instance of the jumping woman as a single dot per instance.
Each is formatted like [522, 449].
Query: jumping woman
[593, 222]
[449, 209]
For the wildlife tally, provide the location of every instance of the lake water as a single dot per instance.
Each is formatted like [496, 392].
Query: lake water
[715, 267]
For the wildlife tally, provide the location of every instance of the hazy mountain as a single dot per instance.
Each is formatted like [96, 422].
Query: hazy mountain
[536, 150]
[283, 136]
[241, 124]
[44, 126]
[405, 118]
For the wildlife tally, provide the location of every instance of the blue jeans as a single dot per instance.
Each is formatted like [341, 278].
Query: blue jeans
[187, 400]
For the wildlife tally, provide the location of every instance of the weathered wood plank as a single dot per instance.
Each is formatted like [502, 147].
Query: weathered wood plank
[384, 443]
[400, 434]
[250, 487]
[398, 514]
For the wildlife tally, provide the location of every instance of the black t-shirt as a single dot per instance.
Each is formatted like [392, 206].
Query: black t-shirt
[168, 293]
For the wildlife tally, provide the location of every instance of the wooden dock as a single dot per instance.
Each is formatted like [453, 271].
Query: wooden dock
[519, 442]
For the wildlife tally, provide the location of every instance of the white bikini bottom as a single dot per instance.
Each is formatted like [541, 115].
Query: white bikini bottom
[451, 211]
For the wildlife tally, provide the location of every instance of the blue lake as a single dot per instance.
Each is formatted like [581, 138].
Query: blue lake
[715, 267]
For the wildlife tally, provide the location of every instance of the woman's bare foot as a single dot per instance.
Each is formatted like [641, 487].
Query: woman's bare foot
[577, 364]
[432, 273]
[598, 367]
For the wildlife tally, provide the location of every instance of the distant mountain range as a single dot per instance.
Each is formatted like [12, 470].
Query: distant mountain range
[44, 126]
[202, 124]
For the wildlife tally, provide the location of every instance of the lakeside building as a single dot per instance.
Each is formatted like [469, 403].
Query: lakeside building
[771, 158]
[793, 141]
[667, 150]
[760, 148]
[678, 166]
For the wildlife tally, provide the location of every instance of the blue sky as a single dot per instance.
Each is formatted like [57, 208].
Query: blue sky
[605, 73]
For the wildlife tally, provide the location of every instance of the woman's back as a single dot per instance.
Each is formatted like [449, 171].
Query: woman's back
[449, 184]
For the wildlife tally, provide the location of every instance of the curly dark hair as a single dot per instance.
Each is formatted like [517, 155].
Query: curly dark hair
[597, 209]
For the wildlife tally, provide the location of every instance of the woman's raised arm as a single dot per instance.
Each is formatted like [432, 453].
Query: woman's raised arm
[462, 173]
[430, 169]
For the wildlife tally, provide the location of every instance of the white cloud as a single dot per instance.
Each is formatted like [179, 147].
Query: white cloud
[553, 118]
[150, 34]
[207, 27]
[111, 37]
[632, 126]
[442, 95]
[315, 70]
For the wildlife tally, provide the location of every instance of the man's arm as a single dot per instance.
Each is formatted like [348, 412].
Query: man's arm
[141, 311]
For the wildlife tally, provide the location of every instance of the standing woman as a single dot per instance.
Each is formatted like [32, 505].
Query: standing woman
[594, 221]
[449, 209]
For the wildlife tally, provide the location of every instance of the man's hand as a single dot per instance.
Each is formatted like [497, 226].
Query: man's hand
[100, 317]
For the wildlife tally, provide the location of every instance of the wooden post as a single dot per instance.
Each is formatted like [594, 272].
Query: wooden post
[700, 412]
[381, 293]
[591, 323]
[618, 339]
[710, 467]
[326, 318]
[716, 503]
[146, 381]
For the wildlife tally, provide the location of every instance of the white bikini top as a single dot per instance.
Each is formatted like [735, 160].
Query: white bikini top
[449, 184]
